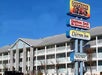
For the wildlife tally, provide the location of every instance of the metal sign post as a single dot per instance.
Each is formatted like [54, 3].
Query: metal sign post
[79, 10]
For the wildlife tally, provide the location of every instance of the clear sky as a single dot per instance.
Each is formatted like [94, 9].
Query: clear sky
[38, 18]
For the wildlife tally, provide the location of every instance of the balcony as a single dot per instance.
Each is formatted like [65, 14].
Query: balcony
[61, 60]
[100, 68]
[1, 66]
[92, 43]
[93, 68]
[100, 56]
[51, 71]
[5, 57]
[68, 60]
[39, 62]
[60, 49]
[51, 61]
[94, 56]
[62, 70]
[21, 55]
[40, 52]
[28, 63]
[50, 51]
[21, 64]
[70, 71]
[100, 43]
[68, 49]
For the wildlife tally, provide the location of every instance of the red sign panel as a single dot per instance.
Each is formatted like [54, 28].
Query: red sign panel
[79, 24]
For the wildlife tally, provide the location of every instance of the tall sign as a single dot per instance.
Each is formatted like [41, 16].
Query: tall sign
[81, 11]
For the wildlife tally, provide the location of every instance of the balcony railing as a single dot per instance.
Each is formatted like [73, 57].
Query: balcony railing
[49, 71]
[61, 49]
[100, 55]
[21, 64]
[62, 70]
[100, 41]
[50, 51]
[51, 61]
[93, 68]
[99, 68]
[40, 52]
[5, 57]
[61, 60]
[39, 62]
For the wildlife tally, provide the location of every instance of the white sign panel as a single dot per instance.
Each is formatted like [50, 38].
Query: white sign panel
[80, 57]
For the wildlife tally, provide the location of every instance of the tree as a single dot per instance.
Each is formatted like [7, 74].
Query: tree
[89, 52]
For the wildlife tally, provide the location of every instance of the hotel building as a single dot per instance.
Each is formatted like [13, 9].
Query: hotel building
[50, 55]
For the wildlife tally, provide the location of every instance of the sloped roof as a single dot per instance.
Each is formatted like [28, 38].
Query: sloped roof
[46, 41]
[96, 31]
[31, 42]
[53, 39]
[5, 48]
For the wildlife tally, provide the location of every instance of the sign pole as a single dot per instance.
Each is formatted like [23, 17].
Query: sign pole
[81, 62]
[79, 10]
[76, 51]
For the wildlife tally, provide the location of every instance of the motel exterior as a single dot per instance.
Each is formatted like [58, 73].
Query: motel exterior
[50, 55]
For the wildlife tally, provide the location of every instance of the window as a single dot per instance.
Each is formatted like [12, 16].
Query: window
[60, 55]
[100, 63]
[60, 45]
[50, 46]
[40, 57]
[99, 50]
[50, 56]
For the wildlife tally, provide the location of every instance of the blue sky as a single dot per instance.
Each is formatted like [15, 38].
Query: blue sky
[38, 18]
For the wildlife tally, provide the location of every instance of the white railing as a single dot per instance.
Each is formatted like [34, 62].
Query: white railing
[21, 64]
[61, 49]
[99, 68]
[92, 67]
[68, 59]
[39, 62]
[50, 51]
[0, 57]
[51, 61]
[49, 71]
[100, 41]
[61, 60]
[5, 57]
[63, 70]
[99, 55]
[40, 52]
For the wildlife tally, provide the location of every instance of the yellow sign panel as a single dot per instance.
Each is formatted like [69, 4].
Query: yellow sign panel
[79, 35]
[79, 9]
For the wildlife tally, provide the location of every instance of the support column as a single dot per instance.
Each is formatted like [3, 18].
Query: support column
[11, 60]
[31, 60]
[76, 63]
[45, 62]
[81, 63]
[55, 60]
[24, 59]
[17, 58]
[36, 62]
[66, 59]
[97, 54]
[8, 60]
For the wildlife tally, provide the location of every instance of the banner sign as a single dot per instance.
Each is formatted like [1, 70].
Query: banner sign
[79, 9]
[79, 24]
[78, 34]
[78, 56]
